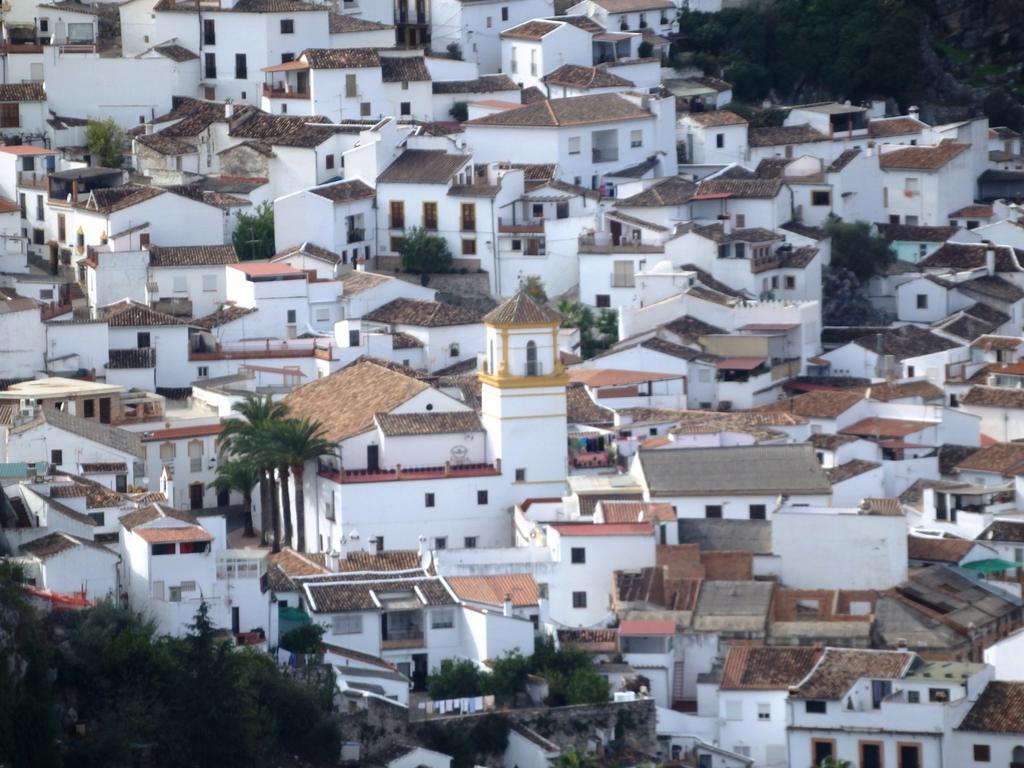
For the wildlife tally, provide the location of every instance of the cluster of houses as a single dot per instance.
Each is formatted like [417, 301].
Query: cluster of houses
[786, 541]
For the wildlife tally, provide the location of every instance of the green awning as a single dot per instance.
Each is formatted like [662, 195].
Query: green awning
[293, 615]
[993, 565]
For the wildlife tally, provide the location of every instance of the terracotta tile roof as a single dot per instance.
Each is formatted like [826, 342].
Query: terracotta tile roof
[283, 565]
[163, 144]
[993, 287]
[308, 249]
[104, 467]
[994, 397]
[522, 310]
[174, 52]
[581, 408]
[433, 423]
[962, 256]
[534, 29]
[817, 404]
[482, 84]
[766, 668]
[192, 116]
[740, 188]
[402, 340]
[915, 234]
[577, 110]
[628, 6]
[894, 126]
[423, 166]
[177, 433]
[938, 550]
[401, 69]
[973, 212]
[692, 327]
[346, 401]
[715, 118]
[168, 535]
[998, 709]
[425, 314]
[826, 442]
[341, 23]
[154, 512]
[885, 427]
[577, 76]
[674, 190]
[838, 669]
[974, 322]
[1003, 530]
[380, 562]
[888, 392]
[842, 160]
[850, 469]
[920, 158]
[111, 199]
[283, 130]
[55, 543]
[637, 511]
[532, 95]
[904, 342]
[327, 594]
[522, 587]
[1003, 458]
[129, 314]
[244, 6]
[22, 92]
[772, 136]
[104, 434]
[191, 255]
[358, 281]
[223, 316]
[646, 627]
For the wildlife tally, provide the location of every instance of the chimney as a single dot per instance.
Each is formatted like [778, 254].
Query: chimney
[74, 190]
[506, 607]
[229, 109]
[990, 256]
[914, 112]
[901, 644]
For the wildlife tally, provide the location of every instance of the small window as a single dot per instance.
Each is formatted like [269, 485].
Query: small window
[602, 301]
[440, 542]
[938, 695]
[922, 301]
[291, 317]
[821, 197]
[521, 475]
[428, 499]
[89, 408]
[329, 162]
[764, 711]
[99, 517]
[209, 283]
[46, 294]
[468, 246]
[814, 707]
[636, 138]
[162, 549]
[790, 282]
[909, 756]
[982, 753]
[56, 456]
[469, 542]
[405, 108]
[442, 618]
[287, 26]
[578, 555]
[347, 624]
[453, 350]
[323, 315]
[504, 13]
[574, 145]
[489, 22]
[719, 140]
[579, 599]
[517, 245]
[167, 452]
[758, 512]
[712, 511]
[481, 497]
[202, 371]
[364, 109]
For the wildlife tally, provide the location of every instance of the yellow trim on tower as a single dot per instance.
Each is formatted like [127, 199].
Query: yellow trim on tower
[524, 382]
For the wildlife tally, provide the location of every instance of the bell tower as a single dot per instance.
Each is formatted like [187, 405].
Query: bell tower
[523, 397]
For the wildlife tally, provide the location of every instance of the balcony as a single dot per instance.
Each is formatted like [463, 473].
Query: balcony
[32, 179]
[604, 246]
[355, 236]
[268, 349]
[402, 638]
[604, 154]
[509, 226]
[282, 91]
[437, 472]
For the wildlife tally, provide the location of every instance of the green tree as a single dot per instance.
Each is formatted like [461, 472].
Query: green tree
[508, 676]
[459, 111]
[105, 142]
[290, 444]
[585, 686]
[844, 300]
[854, 248]
[240, 477]
[253, 237]
[454, 679]
[423, 252]
[307, 638]
[575, 758]
[645, 50]
[244, 438]
[533, 286]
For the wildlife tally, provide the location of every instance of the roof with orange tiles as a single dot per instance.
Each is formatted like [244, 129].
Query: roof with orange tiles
[521, 587]
[603, 529]
[611, 377]
[637, 511]
[266, 269]
[921, 158]
[972, 212]
[838, 669]
[819, 404]
[998, 709]
[880, 427]
[27, 149]
[1001, 458]
[176, 534]
[646, 627]
[766, 668]
[591, 640]
[938, 550]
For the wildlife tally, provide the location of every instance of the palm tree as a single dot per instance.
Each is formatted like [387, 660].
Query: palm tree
[291, 444]
[241, 476]
[245, 439]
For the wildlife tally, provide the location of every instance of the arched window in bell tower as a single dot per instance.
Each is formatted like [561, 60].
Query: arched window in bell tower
[532, 364]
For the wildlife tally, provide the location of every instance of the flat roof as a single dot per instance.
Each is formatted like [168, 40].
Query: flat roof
[27, 149]
[57, 386]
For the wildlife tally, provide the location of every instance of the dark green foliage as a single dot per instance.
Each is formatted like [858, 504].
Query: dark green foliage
[424, 253]
[645, 50]
[843, 299]
[533, 286]
[467, 741]
[802, 50]
[459, 111]
[254, 234]
[854, 248]
[596, 334]
[191, 702]
[105, 141]
[508, 677]
[455, 679]
[305, 639]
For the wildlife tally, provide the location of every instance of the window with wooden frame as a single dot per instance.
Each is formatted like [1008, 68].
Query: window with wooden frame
[467, 218]
[396, 243]
[871, 754]
[821, 750]
[908, 755]
[430, 216]
[396, 210]
[469, 247]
